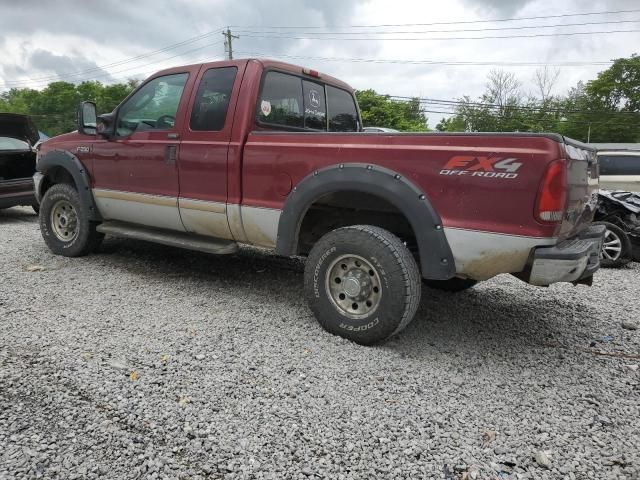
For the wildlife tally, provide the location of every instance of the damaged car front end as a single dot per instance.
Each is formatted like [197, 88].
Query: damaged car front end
[19, 139]
[620, 212]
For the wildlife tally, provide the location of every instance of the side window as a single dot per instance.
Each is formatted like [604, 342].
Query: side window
[280, 101]
[619, 164]
[315, 106]
[153, 107]
[343, 115]
[212, 100]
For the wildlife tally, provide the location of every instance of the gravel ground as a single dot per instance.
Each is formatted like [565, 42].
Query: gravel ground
[149, 362]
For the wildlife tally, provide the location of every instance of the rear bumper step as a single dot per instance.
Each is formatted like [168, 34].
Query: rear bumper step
[573, 260]
[170, 238]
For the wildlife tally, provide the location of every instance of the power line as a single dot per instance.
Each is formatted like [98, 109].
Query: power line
[463, 103]
[110, 74]
[429, 62]
[577, 122]
[228, 45]
[124, 61]
[370, 39]
[521, 27]
[461, 22]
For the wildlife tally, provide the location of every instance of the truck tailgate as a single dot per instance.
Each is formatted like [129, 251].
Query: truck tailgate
[582, 188]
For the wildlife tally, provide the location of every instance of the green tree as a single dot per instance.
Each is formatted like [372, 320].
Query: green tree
[54, 108]
[606, 109]
[383, 111]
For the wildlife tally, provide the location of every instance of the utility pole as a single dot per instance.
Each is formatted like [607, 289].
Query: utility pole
[589, 134]
[228, 48]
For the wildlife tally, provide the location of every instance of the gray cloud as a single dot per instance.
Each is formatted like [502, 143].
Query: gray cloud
[45, 61]
[40, 39]
[147, 25]
[498, 7]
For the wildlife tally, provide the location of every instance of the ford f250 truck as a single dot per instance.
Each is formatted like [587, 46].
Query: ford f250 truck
[258, 152]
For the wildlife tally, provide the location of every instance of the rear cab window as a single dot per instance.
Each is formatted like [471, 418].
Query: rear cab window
[290, 102]
[619, 164]
[212, 99]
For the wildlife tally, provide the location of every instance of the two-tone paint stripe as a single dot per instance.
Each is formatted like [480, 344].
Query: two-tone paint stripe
[477, 254]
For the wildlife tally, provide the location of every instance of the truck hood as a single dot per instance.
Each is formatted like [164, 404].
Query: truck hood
[18, 126]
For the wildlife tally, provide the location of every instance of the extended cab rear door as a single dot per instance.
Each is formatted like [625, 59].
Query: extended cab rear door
[204, 149]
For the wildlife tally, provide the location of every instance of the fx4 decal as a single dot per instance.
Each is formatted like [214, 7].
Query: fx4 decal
[475, 166]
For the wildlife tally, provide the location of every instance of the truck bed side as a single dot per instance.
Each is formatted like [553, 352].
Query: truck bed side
[488, 218]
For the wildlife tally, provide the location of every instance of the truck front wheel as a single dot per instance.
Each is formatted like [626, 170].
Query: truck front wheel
[362, 283]
[64, 224]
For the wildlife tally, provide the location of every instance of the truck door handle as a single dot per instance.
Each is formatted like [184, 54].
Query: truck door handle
[170, 154]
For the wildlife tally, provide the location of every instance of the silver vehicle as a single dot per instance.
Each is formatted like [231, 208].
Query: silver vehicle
[619, 166]
[379, 130]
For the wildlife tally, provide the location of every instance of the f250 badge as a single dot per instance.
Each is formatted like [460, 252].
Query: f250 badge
[474, 166]
[83, 149]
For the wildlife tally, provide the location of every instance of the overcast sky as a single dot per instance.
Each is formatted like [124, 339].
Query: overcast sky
[80, 40]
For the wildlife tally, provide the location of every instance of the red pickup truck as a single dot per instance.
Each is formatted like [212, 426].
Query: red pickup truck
[264, 153]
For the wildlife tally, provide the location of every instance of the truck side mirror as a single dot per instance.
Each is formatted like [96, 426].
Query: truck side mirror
[87, 118]
[105, 126]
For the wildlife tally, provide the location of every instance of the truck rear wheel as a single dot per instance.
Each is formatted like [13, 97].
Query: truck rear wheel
[64, 224]
[362, 283]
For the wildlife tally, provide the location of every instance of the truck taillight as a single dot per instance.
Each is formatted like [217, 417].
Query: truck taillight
[552, 197]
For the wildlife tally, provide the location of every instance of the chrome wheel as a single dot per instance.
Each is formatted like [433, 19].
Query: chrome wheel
[64, 221]
[611, 247]
[354, 286]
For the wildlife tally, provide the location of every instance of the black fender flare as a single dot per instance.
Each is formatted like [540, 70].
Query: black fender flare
[75, 168]
[436, 259]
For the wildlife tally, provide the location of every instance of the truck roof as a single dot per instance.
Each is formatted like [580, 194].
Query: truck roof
[266, 63]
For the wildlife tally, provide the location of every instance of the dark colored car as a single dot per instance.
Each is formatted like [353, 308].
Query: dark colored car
[619, 212]
[18, 140]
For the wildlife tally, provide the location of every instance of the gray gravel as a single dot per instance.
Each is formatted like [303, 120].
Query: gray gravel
[148, 362]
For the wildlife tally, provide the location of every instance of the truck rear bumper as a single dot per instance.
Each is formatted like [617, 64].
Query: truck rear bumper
[573, 260]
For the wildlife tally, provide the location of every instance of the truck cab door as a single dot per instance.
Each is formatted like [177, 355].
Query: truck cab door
[204, 149]
[136, 171]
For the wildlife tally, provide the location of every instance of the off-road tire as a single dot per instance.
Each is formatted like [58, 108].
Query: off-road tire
[85, 241]
[454, 284]
[394, 269]
[626, 252]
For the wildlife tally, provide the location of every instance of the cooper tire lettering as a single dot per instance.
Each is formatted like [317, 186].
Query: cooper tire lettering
[316, 272]
[390, 309]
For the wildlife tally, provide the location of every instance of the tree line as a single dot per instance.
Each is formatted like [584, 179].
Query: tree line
[54, 108]
[605, 109]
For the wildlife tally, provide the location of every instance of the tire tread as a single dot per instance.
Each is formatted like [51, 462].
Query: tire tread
[405, 267]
